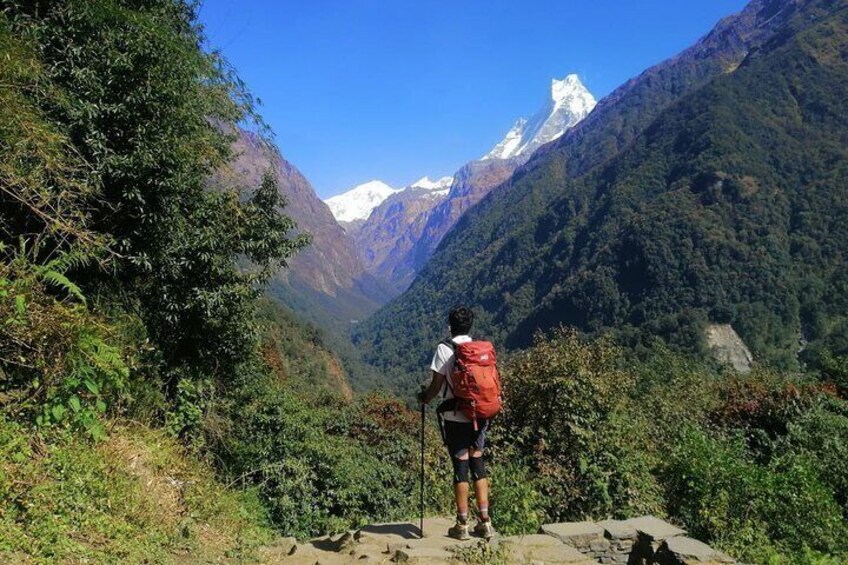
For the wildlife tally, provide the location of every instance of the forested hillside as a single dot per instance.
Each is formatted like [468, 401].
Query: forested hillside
[134, 350]
[726, 207]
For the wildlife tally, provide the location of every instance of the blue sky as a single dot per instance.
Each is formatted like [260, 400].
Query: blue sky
[394, 90]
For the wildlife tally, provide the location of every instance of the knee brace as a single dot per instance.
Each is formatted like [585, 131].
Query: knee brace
[478, 468]
[460, 470]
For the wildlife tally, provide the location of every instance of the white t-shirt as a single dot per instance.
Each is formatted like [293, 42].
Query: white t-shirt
[443, 361]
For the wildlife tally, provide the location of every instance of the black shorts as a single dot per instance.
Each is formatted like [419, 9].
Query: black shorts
[462, 435]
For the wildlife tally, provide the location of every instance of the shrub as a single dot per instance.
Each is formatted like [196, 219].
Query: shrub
[321, 465]
[822, 436]
[517, 505]
[60, 362]
[559, 396]
[724, 497]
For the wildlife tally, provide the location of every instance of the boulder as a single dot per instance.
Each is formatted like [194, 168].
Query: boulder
[532, 540]
[553, 555]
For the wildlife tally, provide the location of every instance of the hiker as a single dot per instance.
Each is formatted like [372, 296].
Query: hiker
[471, 396]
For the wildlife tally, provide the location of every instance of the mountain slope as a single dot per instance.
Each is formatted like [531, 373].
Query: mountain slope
[396, 224]
[700, 216]
[569, 102]
[326, 283]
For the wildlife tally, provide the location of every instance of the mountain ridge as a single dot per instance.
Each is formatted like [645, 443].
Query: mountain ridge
[568, 103]
[521, 246]
[401, 259]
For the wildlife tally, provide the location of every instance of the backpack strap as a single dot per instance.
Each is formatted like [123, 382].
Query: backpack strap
[449, 342]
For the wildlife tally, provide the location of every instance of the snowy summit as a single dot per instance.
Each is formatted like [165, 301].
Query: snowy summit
[569, 103]
[358, 202]
[438, 187]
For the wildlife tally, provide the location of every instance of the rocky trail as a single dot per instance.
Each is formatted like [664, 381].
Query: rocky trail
[644, 540]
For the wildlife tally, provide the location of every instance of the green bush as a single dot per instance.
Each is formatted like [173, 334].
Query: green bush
[749, 509]
[60, 363]
[517, 505]
[559, 398]
[821, 435]
[322, 465]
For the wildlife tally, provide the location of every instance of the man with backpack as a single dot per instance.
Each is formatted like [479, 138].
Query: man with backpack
[465, 376]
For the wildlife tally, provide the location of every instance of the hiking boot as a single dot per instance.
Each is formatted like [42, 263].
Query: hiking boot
[459, 531]
[484, 529]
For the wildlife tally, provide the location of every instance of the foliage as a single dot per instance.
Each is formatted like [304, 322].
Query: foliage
[321, 464]
[754, 464]
[136, 497]
[59, 363]
[517, 500]
[724, 496]
[821, 436]
[147, 116]
[298, 354]
[560, 396]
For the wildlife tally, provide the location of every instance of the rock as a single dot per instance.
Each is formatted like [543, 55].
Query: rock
[728, 348]
[369, 554]
[690, 551]
[552, 555]
[423, 555]
[610, 542]
[599, 546]
[393, 536]
[653, 528]
[541, 548]
[285, 546]
[578, 534]
[532, 540]
[618, 530]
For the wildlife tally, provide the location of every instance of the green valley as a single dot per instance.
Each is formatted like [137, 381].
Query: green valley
[177, 384]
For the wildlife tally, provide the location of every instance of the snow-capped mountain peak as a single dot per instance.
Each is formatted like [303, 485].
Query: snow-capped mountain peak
[358, 202]
[440, 186]
[569, 102]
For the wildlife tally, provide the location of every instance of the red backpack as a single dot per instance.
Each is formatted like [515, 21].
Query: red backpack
[475, 382]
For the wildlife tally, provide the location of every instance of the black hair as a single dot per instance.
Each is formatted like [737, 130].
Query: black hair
[460, 319]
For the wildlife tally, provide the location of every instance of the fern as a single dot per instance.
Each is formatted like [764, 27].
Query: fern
[70, 260]
[58, 279]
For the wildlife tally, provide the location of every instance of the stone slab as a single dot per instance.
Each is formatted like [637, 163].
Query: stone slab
[654, 528]
[436, 542]
[618, 530]
[577, 534]
[559, 554]
[392, 536]
[688, 550]
[406, 530]
[532, 540]
[423, 555]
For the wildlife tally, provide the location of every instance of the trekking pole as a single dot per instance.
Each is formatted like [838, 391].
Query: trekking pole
[421, 498]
